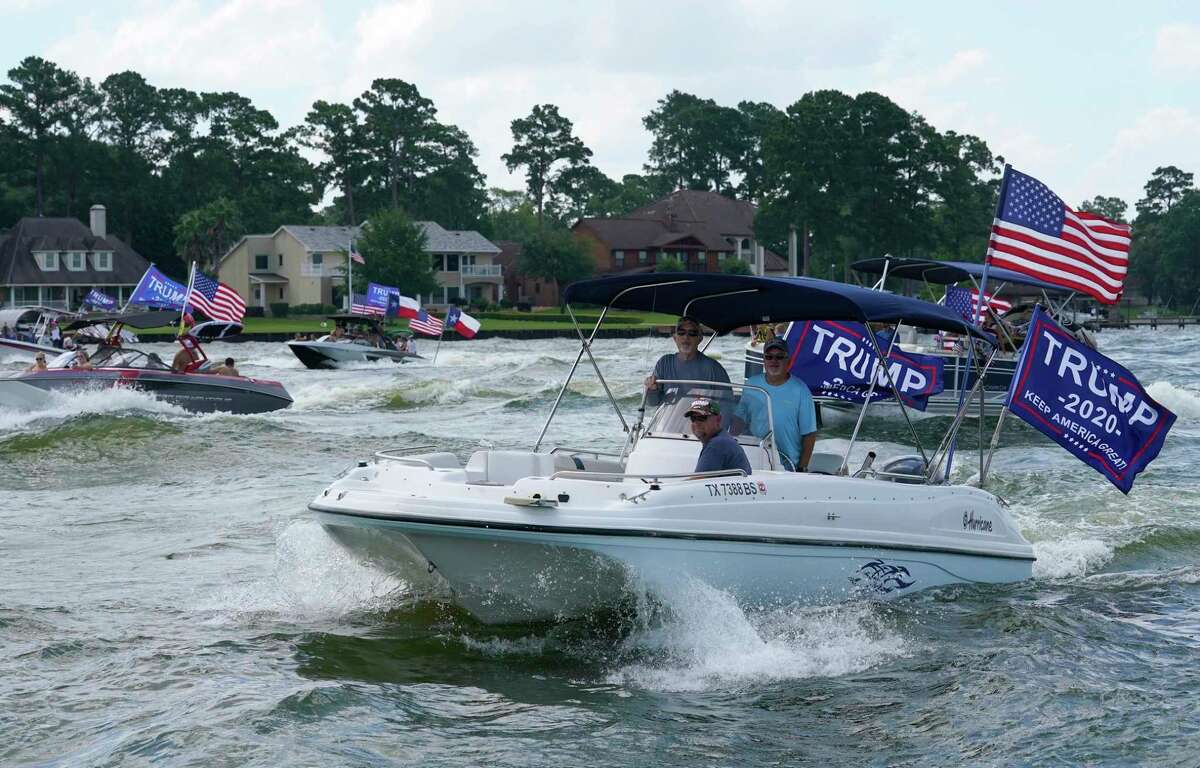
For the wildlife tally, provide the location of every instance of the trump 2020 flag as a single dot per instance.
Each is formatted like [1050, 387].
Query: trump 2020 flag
[100, 300]
[391, 301]
[837, 360]
[159, 291]
[462, 322]
[1090, 405]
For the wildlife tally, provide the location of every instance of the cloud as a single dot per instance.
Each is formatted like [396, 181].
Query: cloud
[237, 45]
[1160, 136]
[1177, 49]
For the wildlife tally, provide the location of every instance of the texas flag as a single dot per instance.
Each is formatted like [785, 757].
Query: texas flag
[407, 307]
[462, 322]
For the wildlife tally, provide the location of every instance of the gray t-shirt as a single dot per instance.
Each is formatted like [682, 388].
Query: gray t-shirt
[722, 452]
[699, 368]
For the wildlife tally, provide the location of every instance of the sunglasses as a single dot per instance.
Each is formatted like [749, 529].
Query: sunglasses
[698, 416]
[682, 332]
[774, 357]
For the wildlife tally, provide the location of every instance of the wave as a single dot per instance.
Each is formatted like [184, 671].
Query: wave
[1184, 403]
[60, 406]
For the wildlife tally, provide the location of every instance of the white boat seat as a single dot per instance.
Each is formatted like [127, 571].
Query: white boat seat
[507, 467]
[825, 463]
[442, 460]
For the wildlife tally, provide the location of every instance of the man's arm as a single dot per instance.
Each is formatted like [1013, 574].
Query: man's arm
[806, 450]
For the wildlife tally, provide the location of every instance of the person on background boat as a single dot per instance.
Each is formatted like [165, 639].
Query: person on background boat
[687, 363]
[56, 339]
[39, 364]
[792, 408]
[721, 450]
[82, 362]
[5, 333]
[226, 368]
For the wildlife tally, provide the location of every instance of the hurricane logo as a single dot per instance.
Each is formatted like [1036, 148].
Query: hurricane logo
[881, 578]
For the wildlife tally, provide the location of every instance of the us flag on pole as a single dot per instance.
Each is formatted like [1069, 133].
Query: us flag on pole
[425, 323]
[217, 300]
[965, 301]
[360, 306]
[1039, 235]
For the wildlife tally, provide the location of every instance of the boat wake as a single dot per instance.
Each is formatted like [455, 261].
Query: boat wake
[63, 406]
[1185, 403]
[699, 638]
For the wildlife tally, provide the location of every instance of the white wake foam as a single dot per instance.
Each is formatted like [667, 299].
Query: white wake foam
[707, 641]
[60, 406]
[1064, 558]
[1184, 403]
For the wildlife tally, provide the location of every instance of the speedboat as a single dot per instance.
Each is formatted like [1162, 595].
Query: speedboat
[115, 365]
[949, 348]
[29, 329]
[528, 535]
[366, 341]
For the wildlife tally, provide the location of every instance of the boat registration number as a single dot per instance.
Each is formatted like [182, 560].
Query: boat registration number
[735, 489]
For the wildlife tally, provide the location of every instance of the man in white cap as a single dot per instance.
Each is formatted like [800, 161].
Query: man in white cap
[721, 450]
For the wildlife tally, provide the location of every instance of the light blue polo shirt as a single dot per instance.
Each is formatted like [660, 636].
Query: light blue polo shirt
[792, 406]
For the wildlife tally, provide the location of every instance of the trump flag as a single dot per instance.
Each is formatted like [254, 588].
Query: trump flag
[159, 291]
[837, 360]
[1090, 405]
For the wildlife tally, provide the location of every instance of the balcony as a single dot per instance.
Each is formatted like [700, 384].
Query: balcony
[315, 270]
[482, 270]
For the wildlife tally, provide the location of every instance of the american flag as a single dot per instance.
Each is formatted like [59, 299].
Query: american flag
[425, 323]
[965, 301]
[359, 306]
[1037, 234]
[354, 254]
[217, 300]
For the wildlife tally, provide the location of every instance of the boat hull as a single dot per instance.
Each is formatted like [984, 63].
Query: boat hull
[515, 576]
[322, 354]
[197, 393]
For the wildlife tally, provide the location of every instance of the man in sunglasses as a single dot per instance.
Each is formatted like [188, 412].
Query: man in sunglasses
[688, 363]
[721, 450]
[792, 407]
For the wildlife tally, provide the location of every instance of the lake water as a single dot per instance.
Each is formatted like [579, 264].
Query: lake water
[166, 599]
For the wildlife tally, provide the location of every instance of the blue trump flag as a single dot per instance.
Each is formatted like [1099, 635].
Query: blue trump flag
[1087, 403]
[157, 290]
[378, 295]
[837, 360]
[99, 299]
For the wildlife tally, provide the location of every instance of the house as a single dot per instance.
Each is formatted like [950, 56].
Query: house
[523, 289]
[299, 264]
[55, 262]
[701, 229]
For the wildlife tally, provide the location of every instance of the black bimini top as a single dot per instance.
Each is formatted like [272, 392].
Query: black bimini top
[370, 320]
[725, 302]
[132, 319]
[948, 272]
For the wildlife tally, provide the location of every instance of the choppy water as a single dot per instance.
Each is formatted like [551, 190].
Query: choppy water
[166, 600]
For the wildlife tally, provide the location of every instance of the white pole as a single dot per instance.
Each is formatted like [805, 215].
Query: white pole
[350, 275]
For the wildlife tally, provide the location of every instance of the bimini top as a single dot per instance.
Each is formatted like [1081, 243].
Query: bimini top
[724, 302]
[154, 319]
[948, 272]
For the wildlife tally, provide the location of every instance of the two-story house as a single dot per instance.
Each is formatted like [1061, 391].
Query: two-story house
[701, 229]
[55, 262]
[307, 265]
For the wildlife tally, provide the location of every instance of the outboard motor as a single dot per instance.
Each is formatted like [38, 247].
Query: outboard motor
[904, 469]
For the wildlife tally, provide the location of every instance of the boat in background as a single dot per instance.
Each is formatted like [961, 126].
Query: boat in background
[366, 341]
[29, 329]
[115, 365]
[529, 535]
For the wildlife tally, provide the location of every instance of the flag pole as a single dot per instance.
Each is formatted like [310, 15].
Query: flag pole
[135, 288]
[439, 344]
[350, 274]
[187, 295]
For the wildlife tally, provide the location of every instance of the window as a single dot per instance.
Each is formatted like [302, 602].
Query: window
[75, 261]
[468, 260]
[619, 259]
[281, 259]
[258, 293]
[451, 262]
[262, 262]
[439, 264]
[102, 261]
[317, 260]
[721, 256]
[48, 261]
[26, 294]
[451, 294]
[54, 295]
[281, 293]
[642, 257]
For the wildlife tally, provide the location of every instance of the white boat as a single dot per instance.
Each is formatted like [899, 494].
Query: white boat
[368, 343]
[516, 536]
[28, 329]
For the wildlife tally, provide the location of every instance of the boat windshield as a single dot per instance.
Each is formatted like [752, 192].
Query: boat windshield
[670, 418]
[117, 357]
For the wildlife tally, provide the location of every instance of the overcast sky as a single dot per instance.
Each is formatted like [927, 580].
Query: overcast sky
[1089, 102]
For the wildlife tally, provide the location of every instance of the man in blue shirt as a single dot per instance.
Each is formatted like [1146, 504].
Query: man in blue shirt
[791, 405]
[721, 450]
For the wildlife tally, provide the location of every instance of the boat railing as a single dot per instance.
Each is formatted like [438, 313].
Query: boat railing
[576, 474]
[394, 454]
[584, 452]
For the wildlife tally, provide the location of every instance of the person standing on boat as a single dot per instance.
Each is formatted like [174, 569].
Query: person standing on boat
[721, 450]
[56, 339]
[688, 363]
[792, 407]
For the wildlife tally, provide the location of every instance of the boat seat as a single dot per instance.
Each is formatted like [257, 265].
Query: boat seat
[507, 467]
[442, 459]
[825, 463]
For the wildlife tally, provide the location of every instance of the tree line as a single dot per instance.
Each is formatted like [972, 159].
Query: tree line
[186, 173]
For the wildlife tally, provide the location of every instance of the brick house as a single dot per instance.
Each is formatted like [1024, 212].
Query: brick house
[701, 229]
[519, 288]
